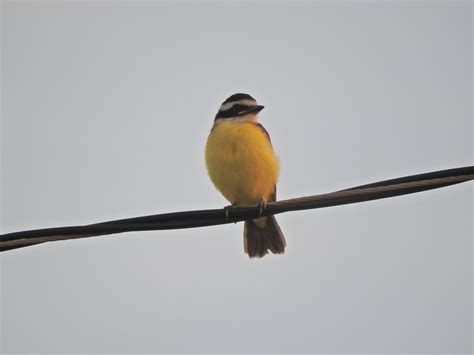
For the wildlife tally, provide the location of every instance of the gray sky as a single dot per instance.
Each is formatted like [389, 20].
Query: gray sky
[106, 110]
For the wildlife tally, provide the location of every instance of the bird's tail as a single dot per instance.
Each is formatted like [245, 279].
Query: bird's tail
[261, 235]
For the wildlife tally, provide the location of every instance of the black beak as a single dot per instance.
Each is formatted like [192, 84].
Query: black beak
[255, 109]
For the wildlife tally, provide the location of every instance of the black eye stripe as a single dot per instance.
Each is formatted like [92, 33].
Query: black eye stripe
[237, 108]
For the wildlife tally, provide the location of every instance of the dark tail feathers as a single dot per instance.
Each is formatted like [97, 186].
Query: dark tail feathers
[258, 241]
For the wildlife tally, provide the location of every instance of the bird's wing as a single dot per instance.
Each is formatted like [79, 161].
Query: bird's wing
[273, 197]
[264, 131]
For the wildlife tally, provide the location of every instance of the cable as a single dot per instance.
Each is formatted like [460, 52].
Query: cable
[202, 218]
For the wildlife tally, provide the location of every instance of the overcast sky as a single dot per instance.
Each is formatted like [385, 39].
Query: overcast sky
[106, 108]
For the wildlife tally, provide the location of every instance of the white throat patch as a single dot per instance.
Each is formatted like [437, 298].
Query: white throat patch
[251, 117]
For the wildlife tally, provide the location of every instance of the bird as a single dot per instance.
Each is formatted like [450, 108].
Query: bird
[243, 166]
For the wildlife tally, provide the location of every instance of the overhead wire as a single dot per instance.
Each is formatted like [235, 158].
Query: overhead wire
[202, 218]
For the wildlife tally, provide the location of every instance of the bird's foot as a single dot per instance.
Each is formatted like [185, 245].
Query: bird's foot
[262, 206]
[228, 209]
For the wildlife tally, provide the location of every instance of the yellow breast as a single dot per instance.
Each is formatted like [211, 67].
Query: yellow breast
[241, 162]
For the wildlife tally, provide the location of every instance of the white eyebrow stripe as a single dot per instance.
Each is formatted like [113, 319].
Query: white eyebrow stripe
[229, 105]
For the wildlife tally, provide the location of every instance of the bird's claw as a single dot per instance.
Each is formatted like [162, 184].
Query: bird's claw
[262, 206]
[227, 210]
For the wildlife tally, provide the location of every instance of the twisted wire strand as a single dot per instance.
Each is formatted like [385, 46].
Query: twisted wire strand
[202, 218]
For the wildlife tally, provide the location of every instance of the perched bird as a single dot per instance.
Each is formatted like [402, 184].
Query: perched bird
[243, 166]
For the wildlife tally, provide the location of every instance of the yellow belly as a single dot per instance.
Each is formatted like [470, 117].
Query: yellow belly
[241, 162]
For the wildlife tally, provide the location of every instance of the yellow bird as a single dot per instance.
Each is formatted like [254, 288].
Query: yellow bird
[243, 166]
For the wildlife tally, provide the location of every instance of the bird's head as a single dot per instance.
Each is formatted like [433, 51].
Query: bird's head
[239, 107]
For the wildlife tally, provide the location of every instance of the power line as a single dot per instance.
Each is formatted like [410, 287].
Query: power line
[201, 218]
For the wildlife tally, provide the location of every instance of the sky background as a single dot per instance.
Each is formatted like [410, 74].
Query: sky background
[106, 107]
